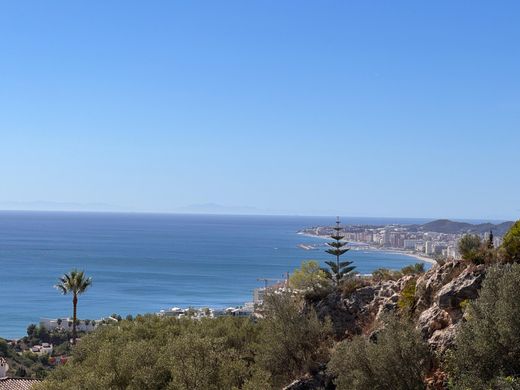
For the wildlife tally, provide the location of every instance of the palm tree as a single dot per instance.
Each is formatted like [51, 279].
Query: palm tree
[338, 270]
[75, 283]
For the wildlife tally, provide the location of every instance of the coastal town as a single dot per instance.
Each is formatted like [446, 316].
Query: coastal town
[49, 344]
[433, 240]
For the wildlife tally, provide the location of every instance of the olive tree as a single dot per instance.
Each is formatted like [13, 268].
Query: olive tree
[488, 343]
[399, 359]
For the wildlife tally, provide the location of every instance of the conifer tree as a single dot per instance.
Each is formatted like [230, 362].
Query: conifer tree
[490, 240]
[338, 269]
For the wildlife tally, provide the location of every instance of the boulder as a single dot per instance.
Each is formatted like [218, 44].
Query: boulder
[463, 287]
[443, 339]
[431, 320]
[433, 280]
[350, 315]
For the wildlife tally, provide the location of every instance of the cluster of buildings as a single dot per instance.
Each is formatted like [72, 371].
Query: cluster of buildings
[81, 325]
[43, 349]
[402, 238]
[246, 310]
[427, 243]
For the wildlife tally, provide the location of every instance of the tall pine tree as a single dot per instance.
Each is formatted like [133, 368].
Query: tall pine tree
[490, 240]
[338, 270]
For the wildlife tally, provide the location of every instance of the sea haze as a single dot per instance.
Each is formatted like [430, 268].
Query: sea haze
[143, 263]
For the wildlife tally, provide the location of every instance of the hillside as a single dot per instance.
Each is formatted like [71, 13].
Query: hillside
[453, 327]
[337, 341]
[451, 227]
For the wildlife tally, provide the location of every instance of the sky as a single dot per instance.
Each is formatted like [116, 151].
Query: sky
[362, 108]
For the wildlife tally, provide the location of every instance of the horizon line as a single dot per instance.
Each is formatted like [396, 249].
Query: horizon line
[245, 214]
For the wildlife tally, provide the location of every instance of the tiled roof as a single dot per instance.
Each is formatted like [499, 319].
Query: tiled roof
[17, 383]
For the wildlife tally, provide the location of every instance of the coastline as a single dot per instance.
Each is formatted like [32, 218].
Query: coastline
[366, 246]
[404, 253]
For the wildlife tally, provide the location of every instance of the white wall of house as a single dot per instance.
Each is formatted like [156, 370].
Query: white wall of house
[4, 367]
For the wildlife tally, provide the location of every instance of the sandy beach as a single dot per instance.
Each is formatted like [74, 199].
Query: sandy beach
[366, 246]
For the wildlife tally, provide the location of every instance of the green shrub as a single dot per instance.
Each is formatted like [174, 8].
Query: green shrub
[311, 280]
[4, 348]
[488, 343]
[291, 342]
[398, 360]
[152, 353]
[350, 285]
[308, 276]
[406, 302]
[383, 274]
[414, 269]
[470, 248]
[511, 244]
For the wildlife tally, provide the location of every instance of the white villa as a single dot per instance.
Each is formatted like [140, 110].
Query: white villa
[44, 349]
[4, 367]
[242, 311]
[66, 323]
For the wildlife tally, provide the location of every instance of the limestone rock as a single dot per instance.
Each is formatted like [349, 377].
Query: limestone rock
[465, 286]
[433, 280]
[443, 339]
[432, 320]
[351, 314]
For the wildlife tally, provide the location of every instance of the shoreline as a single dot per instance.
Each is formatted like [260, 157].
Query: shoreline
[418, 256]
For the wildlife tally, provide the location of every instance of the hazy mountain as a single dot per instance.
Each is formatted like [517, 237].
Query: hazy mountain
[447, 226]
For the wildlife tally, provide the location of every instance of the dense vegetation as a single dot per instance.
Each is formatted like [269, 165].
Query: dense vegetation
[224, 353]
[488, 344]
[398, 358]
[24, 363]
[289, 340]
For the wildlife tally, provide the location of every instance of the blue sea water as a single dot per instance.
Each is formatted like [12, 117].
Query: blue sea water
[143, 263]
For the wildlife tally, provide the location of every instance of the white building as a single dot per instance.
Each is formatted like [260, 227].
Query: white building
[173, 312]
[452, 252]
[44, 349]
[429, 248]
[258, 295]
[4, 367]
[411, 244]
[66, 324]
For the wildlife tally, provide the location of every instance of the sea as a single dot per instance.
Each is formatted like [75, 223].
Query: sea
[143, 263]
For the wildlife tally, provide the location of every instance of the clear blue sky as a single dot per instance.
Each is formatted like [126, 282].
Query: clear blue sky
[367, 108]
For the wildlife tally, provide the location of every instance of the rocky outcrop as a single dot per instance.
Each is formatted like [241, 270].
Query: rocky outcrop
[433, 319]
[444, 338]
[465, 286]
[352, 314]
[438, 310]
[433, 280]
[438, 297]
[439, 321]
[343, 318]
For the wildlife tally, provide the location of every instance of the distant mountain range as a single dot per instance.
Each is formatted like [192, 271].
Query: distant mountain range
[452, 227]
